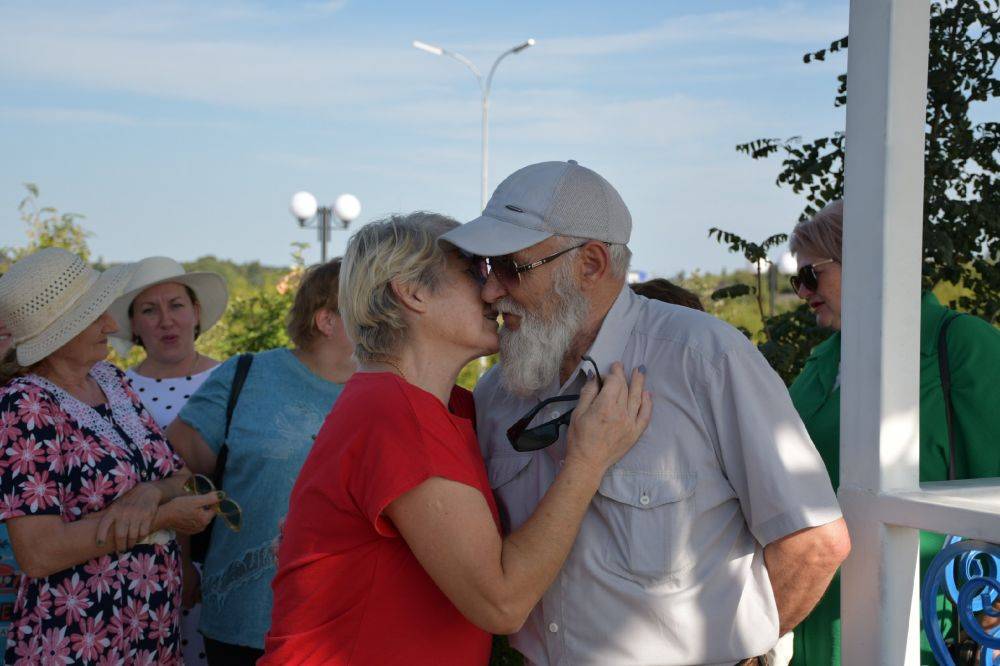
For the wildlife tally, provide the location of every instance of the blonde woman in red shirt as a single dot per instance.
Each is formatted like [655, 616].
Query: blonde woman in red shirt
[392, 551]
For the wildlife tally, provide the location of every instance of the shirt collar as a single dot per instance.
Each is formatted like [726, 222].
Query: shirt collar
[614, 334]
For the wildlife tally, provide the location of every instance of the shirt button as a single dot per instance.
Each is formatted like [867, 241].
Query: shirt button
[553, 627]
[644, 500]
[554, 415]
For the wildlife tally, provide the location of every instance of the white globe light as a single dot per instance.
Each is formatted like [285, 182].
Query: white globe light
[787, 264]
[347, 207]
[303, 206]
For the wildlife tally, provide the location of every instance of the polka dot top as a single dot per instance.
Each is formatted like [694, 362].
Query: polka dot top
[165, 397]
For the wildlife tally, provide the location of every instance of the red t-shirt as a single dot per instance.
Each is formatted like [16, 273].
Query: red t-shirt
[348, 589]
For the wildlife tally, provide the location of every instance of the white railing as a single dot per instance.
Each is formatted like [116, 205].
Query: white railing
[883, 501]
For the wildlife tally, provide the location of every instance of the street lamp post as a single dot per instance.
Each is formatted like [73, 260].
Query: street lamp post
[484, 88]
[305, 208]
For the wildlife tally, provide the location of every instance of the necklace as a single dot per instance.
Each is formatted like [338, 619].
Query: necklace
[390, 362]
[158, 374]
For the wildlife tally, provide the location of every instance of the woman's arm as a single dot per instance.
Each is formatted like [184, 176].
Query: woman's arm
[190, 446]
[44, 545]
[494, 581]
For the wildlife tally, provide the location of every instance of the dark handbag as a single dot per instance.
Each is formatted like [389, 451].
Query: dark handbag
[201, 541]
[945, 370]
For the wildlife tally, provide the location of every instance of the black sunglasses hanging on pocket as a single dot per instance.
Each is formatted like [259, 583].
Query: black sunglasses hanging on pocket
[526, 440]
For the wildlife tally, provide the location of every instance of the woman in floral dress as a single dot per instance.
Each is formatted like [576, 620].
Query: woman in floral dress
[91, 492]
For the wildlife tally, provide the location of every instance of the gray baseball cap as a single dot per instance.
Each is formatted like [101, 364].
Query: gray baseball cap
[544, 200]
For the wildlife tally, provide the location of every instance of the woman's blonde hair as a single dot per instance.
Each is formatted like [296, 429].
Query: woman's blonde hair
[403, 247]
[822, 235]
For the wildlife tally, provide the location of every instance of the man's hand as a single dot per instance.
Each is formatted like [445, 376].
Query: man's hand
[801, 566]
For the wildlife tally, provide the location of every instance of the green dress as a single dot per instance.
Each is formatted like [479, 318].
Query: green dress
[974, 360]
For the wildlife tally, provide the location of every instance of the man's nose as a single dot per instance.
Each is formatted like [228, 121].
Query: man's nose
[493, 290]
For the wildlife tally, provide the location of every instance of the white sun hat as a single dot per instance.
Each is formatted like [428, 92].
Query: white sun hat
[209, 288]
[50, 296]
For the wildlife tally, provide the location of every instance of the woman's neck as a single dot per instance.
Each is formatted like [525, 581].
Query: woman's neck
[425, 367]
[191, 364]
[326, 361]
[73, 377]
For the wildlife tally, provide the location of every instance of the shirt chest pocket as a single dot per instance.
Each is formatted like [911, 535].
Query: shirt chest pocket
[511, 488]
[649, 516]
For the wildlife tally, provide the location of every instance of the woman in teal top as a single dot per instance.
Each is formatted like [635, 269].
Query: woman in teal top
[974, 361]
[286, 397]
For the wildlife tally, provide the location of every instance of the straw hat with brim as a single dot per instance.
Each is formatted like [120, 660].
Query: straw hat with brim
[209, 288]
[51, 296]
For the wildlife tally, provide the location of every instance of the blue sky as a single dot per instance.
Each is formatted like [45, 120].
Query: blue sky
[183, 128]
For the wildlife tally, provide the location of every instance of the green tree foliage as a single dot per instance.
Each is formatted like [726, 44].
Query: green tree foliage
[961, 231]
[46, 227]
[255, 321]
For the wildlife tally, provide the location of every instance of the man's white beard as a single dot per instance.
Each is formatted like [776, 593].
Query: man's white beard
[530, 357]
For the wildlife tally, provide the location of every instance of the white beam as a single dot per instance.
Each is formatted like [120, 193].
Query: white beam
[970, 508]
[879, 431]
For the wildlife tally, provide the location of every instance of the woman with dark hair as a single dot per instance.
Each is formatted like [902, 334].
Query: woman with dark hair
[164, 310]
[660, 289]
[286, 395]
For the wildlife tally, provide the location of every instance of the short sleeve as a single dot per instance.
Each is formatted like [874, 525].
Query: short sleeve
[400, 452]
[771, 463]
[32, 474]
[205, 410]
[974, 355]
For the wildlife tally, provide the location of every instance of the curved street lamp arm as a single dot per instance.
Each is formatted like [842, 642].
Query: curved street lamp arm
[465, 61]
[493, 69]
[514, 49]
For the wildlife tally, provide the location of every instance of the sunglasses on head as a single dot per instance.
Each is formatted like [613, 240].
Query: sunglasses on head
[525, 439]
[807, 276]
[228, 509]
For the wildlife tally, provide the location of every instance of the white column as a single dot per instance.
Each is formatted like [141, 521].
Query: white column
[879, 440]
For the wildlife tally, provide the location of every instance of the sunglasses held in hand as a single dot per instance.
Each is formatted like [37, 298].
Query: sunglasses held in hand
[525, 440]
[228, 509]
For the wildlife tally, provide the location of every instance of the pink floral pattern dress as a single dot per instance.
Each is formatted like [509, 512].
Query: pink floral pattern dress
[61, 457]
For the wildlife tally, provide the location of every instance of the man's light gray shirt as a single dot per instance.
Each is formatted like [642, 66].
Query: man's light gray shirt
[668, 567]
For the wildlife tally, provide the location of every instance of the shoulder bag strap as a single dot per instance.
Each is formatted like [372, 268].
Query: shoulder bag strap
[945, 371]
[242, 370]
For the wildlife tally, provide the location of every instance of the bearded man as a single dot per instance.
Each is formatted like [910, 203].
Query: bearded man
[719, 531]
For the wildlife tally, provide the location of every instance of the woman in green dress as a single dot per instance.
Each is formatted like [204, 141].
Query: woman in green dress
[973, 355]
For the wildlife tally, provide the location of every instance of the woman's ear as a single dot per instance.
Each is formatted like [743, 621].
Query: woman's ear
[411, 296]
[324, 321]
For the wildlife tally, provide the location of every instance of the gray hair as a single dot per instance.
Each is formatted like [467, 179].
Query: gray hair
[822, 235]
[403, 247]
[620, 255]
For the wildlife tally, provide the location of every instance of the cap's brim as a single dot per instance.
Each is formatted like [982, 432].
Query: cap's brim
[489, 237]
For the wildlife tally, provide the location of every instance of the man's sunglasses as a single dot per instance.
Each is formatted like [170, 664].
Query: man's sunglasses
[228, 509]
[507, 271]
[525, 439]
[807, 276]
